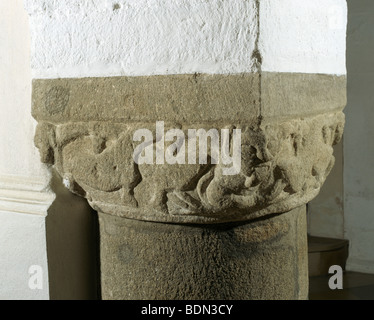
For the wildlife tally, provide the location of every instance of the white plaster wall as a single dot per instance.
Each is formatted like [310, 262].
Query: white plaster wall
[23, 244]
[24, 195]
[355, 221]
[93, 38]
[40, 224]
[359, 137]
[18, 156]
[305, 36]
[141, 37]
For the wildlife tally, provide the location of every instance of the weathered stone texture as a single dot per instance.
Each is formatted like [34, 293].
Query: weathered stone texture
[177, 98]
[188, 99]
[285, 95]
[240, 236]
[261, 260]
[87, 133]
[283, 165]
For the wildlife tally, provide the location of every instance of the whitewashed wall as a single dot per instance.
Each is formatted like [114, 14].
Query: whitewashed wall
[24, 194]
[40, 224]
[345, 206]
[144, 37]
[305, 36]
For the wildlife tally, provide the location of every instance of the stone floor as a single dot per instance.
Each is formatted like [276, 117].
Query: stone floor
[356, 286]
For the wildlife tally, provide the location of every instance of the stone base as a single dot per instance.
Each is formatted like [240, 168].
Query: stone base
[264, 259]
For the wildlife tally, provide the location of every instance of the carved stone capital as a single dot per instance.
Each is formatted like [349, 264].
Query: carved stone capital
[283, 161]
[283, 165]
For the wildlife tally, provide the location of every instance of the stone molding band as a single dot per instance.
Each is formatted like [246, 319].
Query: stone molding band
[188, 98]
[26, 195]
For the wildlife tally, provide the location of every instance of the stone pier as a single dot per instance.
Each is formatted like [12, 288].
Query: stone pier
[190, 231]
[260, 82]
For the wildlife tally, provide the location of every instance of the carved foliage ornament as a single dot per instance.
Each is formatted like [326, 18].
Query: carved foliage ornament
[283, 166]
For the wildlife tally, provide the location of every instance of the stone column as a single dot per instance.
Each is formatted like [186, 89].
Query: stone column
[188, 230]
[175, 227]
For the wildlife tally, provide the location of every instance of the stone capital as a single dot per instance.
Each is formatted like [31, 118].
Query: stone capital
[86, 130]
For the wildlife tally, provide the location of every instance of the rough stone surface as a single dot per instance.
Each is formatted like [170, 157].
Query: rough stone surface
[283, 165]
[285, 95]
[188, 99]
[284, 160]
[240, 236]
[180, 98]
[265, 259]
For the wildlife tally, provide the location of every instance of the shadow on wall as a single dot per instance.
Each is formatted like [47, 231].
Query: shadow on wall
[72, 246]
[358, 137]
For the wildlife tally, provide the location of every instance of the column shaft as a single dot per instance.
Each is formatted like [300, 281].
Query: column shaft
[264, 259]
